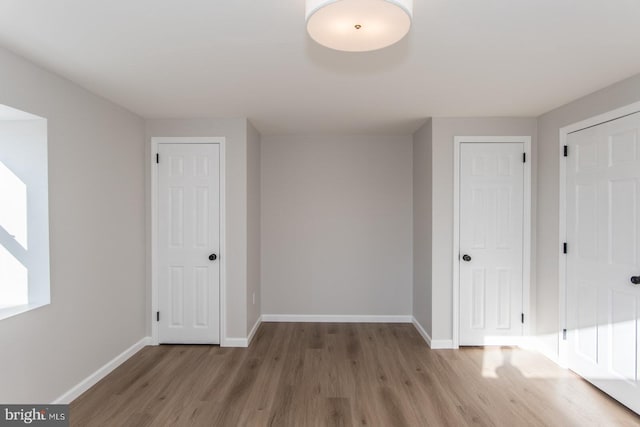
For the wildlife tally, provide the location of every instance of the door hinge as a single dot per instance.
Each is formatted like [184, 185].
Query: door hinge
[566, 150]
[157, 157]
[564, 248]
[157, 316]
[522, 318]
[524, 157]
[564, 334]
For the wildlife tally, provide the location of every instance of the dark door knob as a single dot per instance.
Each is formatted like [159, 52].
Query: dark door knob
[635, 280]
[466, 258]
[213, 257]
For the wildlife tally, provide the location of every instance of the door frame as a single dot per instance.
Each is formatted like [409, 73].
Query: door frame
[526, 250]
[618, 113]
[155, 142]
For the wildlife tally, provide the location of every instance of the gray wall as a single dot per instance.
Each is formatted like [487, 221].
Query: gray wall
[444, 131]
[253, 226]
[422, 226]
[96, 217]
[235, 132]
[337, 225]
[548, 241]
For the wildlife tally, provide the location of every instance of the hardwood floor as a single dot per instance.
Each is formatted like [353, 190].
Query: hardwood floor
[310, 374]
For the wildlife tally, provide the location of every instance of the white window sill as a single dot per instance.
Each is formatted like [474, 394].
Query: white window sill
[6, 312]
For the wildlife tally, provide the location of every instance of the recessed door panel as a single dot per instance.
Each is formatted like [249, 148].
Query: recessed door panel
[504, 298]
[585, 221]
[623, 147]
[176, 217]
[176, 294]
[623, 335]
[623, 220]
[478, 299]
[202, 218]
[587, 322]
[480, 222]
[503, 218]
[202, 300]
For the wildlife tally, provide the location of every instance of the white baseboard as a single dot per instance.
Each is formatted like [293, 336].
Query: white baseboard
[530, 343]
[242, 342]
[102, 372]
[441, 344]
[234, 342]
[254, 330]
[433, 344]
[331, 318]
[421, 331]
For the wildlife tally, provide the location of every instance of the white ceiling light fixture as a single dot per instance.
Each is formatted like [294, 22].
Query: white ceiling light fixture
[358, 25]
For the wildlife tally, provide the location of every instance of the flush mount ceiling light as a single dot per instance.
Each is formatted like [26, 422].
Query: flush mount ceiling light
[358, 25]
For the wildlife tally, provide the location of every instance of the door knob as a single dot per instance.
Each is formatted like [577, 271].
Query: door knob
[466, 258]
[213, 257]
[635, 280]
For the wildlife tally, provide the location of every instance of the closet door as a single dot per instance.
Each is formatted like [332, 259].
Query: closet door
[603, 256]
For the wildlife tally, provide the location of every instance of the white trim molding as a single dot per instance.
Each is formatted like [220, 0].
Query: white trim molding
[421, 331]
[618, 113]
[242, 342]
[235, 342]
[332, 318]
[442, 345]
[155, 141]
[253, 331]
[526, 254]
[102, 372]
[433, 344]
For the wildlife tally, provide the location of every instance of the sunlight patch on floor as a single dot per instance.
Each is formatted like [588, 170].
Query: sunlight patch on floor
[497, 360]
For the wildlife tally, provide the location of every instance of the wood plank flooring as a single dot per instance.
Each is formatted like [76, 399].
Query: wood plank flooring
[296, 374]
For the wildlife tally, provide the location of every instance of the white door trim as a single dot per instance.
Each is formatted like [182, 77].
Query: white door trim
[155, 141]
[526, 252]
[562, 234]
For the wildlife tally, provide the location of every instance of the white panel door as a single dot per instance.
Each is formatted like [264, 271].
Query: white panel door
[603, 234]
[189, 243]
[491, 242]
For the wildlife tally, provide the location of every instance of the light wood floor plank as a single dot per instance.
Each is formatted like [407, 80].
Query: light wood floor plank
[310, 374]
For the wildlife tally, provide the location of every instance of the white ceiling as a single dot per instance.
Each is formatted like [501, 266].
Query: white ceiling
[253, 58]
